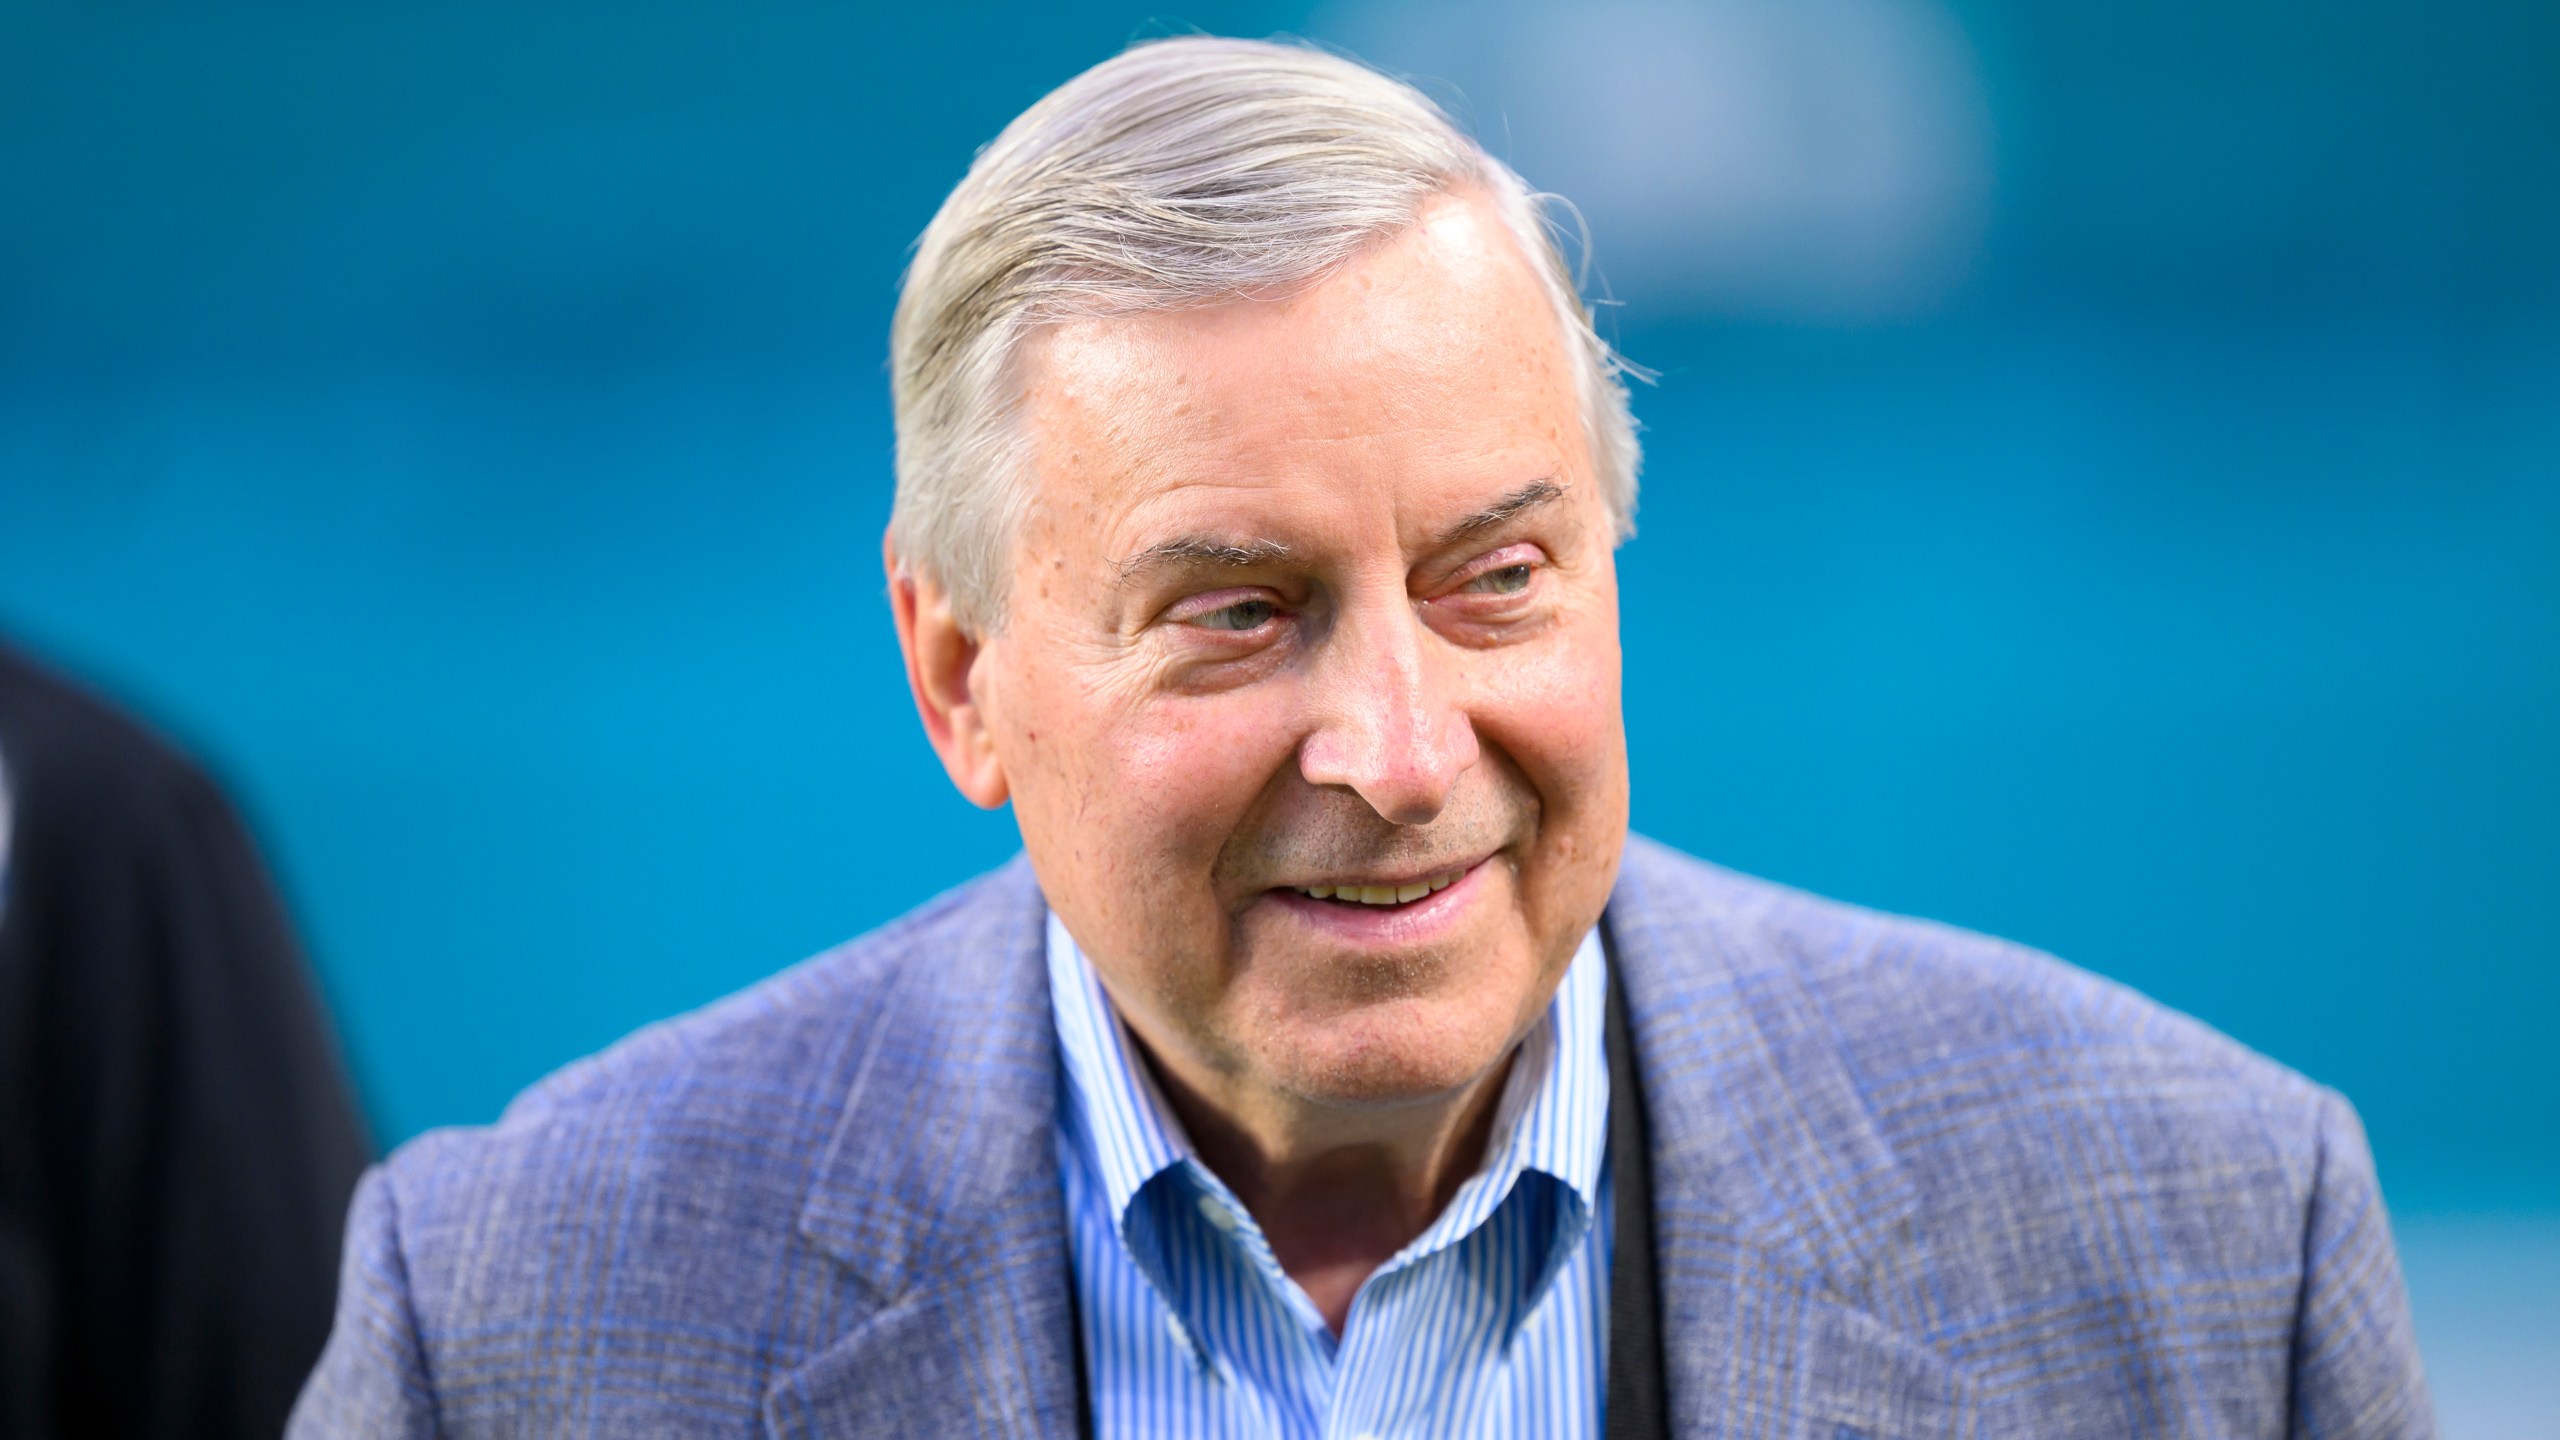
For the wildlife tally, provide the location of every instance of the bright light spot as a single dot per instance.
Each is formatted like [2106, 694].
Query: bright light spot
[1794, 159]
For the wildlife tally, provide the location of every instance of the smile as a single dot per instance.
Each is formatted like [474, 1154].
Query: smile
[1382, 894]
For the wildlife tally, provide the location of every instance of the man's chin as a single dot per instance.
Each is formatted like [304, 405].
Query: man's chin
[1382, 1061]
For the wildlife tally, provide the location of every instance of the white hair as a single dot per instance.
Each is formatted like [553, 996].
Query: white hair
[1182, 172]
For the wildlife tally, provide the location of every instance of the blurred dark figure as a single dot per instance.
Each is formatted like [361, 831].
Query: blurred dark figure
[177, 1139]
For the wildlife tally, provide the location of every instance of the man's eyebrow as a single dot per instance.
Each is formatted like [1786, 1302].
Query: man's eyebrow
[1197, 551]
[1527, 497]
[1207, 552]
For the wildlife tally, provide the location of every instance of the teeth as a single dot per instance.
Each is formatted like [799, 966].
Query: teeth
[1382, 894]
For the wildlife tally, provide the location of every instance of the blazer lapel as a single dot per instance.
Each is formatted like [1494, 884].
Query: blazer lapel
[940, 1192]
[1783, 1226]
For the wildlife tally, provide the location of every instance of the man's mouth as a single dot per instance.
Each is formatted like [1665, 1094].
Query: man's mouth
[1405, 893]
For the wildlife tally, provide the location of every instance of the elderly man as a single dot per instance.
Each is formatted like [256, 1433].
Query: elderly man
[1334, 1064]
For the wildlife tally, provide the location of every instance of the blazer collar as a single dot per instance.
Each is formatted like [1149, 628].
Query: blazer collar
[955, 1093]
[1752, 1106]
[940, 1192]
[1786, 1258]
[954, 1103]
[1783, 1224]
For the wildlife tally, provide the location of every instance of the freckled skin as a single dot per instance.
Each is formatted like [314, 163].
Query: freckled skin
[1403, 702]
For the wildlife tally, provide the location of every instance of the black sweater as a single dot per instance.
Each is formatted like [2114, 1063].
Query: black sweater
[177, 1137]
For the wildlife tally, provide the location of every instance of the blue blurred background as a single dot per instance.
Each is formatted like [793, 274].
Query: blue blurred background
[2103, 487]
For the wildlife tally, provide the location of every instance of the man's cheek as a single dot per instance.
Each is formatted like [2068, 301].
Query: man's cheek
[1195, 770]
[1559, 717]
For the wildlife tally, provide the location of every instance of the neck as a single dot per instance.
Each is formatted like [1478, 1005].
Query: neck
[1338, 1192]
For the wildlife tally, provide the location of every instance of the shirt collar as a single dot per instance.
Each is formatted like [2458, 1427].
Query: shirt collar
[1551, 1119]
[1127, 1130]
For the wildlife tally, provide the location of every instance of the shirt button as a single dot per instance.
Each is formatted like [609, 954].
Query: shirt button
[1214, 1210]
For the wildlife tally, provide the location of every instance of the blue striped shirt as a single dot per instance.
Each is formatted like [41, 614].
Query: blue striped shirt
[1493, 1322]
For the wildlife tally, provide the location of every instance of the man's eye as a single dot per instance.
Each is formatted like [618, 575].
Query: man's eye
[1509, 580]
[1242, 615]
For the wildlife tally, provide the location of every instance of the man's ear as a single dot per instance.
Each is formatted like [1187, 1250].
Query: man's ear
[941, 660]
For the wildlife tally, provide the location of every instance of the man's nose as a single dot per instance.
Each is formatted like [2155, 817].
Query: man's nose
[1389, 722]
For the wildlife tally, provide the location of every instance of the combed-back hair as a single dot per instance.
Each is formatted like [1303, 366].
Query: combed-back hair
[1182, 172]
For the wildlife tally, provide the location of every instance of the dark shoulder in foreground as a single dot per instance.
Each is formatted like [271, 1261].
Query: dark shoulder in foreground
[80, 766]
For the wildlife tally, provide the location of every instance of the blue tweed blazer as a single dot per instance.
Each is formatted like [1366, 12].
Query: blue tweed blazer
[1908, 1182]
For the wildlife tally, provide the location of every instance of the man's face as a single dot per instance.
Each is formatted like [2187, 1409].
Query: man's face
[1316, 596]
